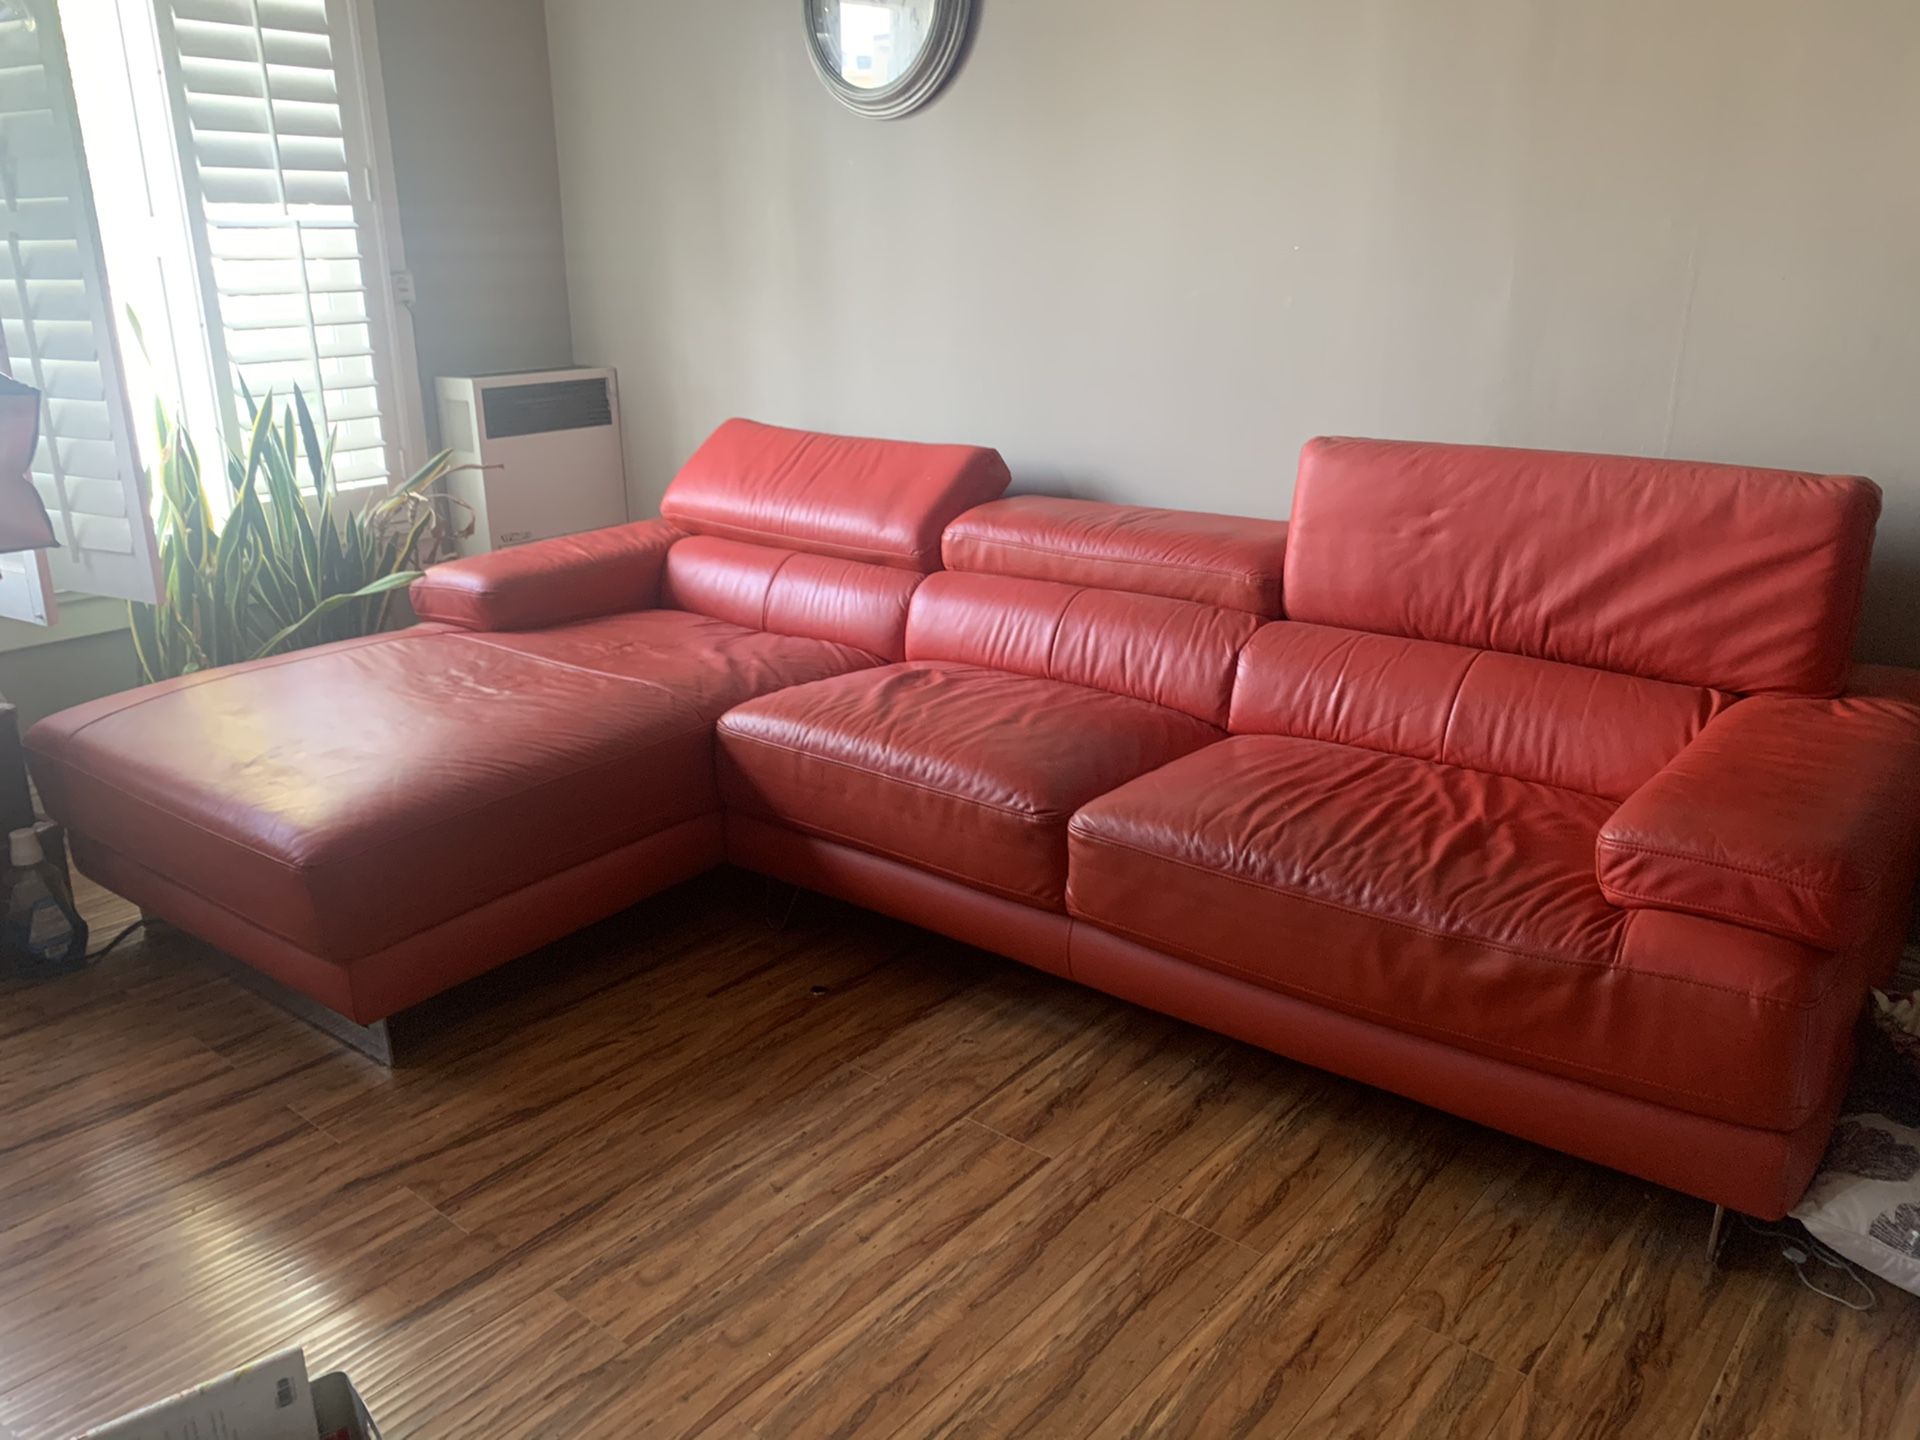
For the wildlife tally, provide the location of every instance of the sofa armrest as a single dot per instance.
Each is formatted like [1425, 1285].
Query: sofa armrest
[550, 582]
[1788, 815]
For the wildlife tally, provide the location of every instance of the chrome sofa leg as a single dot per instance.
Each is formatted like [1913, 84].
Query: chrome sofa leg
[372, 1041]
[1716, 1237]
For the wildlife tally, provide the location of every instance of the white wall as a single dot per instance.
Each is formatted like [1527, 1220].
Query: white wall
[1148, 249]
[470, 107]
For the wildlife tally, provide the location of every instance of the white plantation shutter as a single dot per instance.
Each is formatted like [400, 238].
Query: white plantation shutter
[54, 310]
[273, 142]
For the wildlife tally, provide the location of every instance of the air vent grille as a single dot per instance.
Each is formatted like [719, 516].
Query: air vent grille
[543, 408]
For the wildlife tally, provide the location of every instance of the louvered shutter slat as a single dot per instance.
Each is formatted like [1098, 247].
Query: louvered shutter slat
[268, 148]
[54, 309]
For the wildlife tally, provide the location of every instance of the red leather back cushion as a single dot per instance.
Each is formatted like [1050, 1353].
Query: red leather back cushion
[1169, 652]
[1738, 579]
[1595, 731]
[1212, 559]
[881, 501]
[787, 593]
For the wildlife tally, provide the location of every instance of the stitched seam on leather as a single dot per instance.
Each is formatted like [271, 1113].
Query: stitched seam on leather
[782, 539]
[1771, 924]
[361, 958]
[1753, 870]
[1802, 1095]
[212, 677]
[822, 832]
[480, 638]
[1222, 572]
[1039, 817]
[766, 596]
[1505, 949]
[304, 868]
[1400, 1023]
[1059, 624]
[875, 661]
[1613, 800]
[1453, 706]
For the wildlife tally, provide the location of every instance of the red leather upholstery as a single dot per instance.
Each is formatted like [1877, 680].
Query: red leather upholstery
[1734, 579]
[1757, 1172]
[1168, 652]
[376, 821]
[969, 773]
[551, 582]
[1791, 816]
[893, 887]
[1591, 730]
[842, 601]
[347, 797]
[1461, 906]
[1225, 560]
[1022, 700]
[1495, 827]
[707, 665]
[882, 501]
[389, 980]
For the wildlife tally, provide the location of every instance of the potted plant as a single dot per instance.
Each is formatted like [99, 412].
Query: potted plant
[289, 567]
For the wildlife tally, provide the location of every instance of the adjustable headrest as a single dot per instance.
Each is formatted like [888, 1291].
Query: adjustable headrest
[1716, 575]
[882, 501]
[1224, 560]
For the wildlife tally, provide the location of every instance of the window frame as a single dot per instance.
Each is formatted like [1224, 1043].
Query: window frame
[354, 41]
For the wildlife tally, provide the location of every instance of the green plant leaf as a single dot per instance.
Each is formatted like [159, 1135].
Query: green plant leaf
[335, 603]
[288, 566]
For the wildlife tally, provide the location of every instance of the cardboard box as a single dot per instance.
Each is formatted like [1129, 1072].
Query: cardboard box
[268, 1400]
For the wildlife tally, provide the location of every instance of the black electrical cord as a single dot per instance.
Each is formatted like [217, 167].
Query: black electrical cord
[105, 949]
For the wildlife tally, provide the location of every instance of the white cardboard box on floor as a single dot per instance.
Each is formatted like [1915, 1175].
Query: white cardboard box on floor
[271, 1399]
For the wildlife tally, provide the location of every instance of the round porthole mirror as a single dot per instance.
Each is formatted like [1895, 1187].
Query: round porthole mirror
[885, 58]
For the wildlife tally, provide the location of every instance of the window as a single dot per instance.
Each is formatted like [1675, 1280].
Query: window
[237, 161]
[59, 338]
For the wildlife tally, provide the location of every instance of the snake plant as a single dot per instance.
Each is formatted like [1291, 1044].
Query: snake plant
[289, 567]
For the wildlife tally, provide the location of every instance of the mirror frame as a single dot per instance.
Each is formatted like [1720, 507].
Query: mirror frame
[945, 39]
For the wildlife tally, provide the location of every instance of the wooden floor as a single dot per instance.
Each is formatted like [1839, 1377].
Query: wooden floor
[699, 1172]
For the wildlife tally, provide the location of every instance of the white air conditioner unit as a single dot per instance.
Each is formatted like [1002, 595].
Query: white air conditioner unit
[543, 449]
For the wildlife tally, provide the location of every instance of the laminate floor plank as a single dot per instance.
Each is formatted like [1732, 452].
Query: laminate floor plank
[1262, 1359]
[886, 1363]
[1407, 1383]
[1056, 1372]
[755, 1315]
[783, 1169]
[1647, 1336]
[1504, 1279]
[614, 1178]
[724, 1166]
[1813, 1370]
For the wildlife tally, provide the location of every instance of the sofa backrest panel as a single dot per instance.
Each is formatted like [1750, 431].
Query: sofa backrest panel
[885, 502]
[1223, 560]
[1168, 652]
[1736, 579]
[789, 593]
[1596, 731]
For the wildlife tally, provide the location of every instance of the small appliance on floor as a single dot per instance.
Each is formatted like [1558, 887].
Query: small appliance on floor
[536, 454]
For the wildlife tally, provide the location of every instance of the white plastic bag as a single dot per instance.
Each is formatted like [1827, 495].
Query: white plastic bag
[1865, 1202]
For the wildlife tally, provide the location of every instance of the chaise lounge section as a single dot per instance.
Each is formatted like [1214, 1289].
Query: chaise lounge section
[373, 822]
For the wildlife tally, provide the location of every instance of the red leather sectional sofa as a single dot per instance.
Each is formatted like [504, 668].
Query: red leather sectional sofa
[1553, 801]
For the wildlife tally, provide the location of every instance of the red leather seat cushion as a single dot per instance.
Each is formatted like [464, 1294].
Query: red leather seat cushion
[347, 797]
[708, 665]
[967, 772]
[1459, 905]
